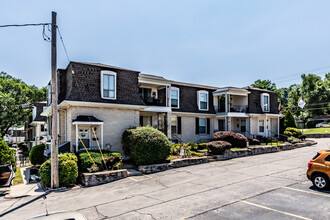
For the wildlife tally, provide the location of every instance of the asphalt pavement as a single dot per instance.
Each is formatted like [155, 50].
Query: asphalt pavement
[267, 186]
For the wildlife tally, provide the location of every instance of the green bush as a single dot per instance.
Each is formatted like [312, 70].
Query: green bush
[218, 147]
[7, 154]
[146, 145]
[294, 140]
[293, 132]
[202, 146]
[68, 170]
[193, 146]
[175, 149]
[289, 120]
[194, 153]
[37, 154]
[85, 163]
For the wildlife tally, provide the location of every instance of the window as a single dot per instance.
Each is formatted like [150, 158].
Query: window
[175, 97]
[203, 100]
[145, 120]
[327, 158]
[174, 125]
[108, 82]
[261, 126]
[202, 126]
[265, 102]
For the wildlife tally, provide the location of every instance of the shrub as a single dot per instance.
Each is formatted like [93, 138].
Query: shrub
[218, 147]
[176, 148]
[37, 154]
[193, 146]
[146, 145]
[293, 132]
[202, 146]
[85, 163]
[68, 170]
[194, 153]
[7, 154]
[254, 142]
[294, 140]
[289, 120]
[236, 139]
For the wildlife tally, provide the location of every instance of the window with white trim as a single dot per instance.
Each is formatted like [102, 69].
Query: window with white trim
[265, 102]
[202, 126]
[203, 100]
[108, 82]
[261, 126]
[175, 97]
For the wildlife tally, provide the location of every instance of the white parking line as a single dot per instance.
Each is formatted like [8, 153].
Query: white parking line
[309, 192]
[274, 210]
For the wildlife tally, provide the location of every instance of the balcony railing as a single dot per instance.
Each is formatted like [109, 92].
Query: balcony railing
[232, 108]
[154, 101]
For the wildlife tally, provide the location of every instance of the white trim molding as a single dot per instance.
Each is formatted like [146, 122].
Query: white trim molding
[207, 99]
[263, 105]
[107, 72]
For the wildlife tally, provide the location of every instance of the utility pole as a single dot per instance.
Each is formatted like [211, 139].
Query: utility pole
[54, 151]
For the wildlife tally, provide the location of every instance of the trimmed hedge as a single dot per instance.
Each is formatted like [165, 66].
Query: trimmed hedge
[146, 145]
[218, 147]
[293, 132]
[85, 163]
[37, 154]
[68, 170]
[236, 139]
[193, 145]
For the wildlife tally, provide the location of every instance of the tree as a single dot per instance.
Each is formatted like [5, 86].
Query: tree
[289, 121]
[264, 84]
[13, 93]
[6, 154]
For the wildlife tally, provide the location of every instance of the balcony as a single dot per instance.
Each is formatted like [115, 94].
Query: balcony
[154, 101]
[231, 108]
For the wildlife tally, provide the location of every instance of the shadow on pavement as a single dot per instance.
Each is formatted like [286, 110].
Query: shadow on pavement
[321, 191]
[24, 204]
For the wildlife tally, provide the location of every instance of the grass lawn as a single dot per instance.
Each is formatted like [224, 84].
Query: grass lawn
[18, 176]
[316, 131]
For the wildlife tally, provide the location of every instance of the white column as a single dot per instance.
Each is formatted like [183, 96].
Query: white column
[76, 137]
[278, 126]
[226, 104]
[169, 131]
[266, 127]
[37, 137]
[102, 136]
[226, 123]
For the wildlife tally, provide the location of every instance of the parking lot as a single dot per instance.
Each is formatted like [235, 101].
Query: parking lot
[267, 186]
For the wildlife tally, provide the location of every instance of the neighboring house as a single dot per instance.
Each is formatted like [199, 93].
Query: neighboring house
[108, 99]
[35, 127]
[16, 135]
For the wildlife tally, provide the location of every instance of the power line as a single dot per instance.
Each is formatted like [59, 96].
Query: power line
[23, 25]
[67, 56]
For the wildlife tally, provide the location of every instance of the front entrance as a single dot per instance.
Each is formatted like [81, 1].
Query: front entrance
[85, 135]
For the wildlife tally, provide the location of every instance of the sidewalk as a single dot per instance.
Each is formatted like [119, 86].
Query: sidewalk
[25, 189]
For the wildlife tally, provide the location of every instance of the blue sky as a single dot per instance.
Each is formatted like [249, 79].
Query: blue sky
[212, 42]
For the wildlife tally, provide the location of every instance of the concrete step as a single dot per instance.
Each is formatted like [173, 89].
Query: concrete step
[133, 172]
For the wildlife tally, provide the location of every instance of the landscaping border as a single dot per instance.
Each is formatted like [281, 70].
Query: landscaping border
[153, 168]
[93, 179]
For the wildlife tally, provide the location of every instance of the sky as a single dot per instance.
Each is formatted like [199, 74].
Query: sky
[212, 42]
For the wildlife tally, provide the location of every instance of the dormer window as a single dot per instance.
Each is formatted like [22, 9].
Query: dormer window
[265, 102]
[175, 97]
[203, 100]
[108, 84]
